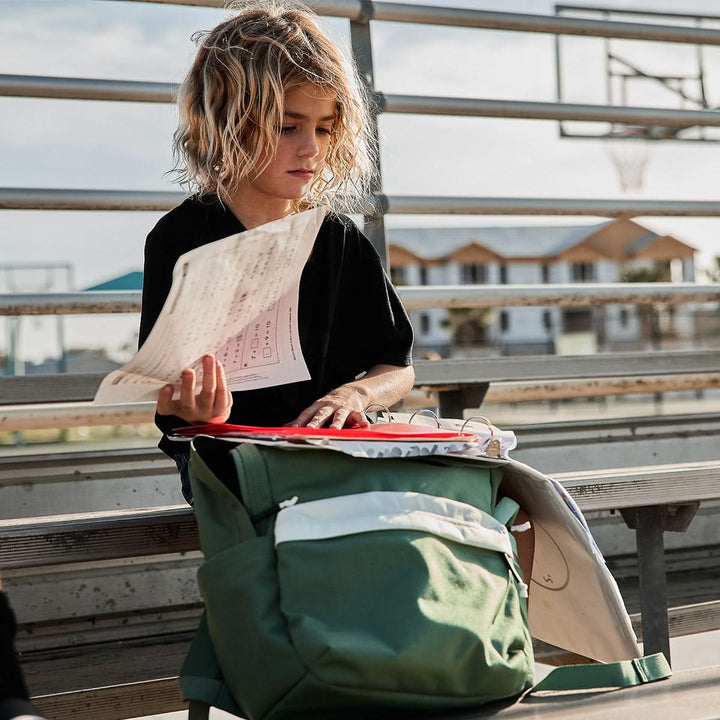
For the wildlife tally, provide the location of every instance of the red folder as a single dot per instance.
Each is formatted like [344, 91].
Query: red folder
[397, 432]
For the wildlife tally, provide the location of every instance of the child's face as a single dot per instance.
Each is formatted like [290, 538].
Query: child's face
[303, 143]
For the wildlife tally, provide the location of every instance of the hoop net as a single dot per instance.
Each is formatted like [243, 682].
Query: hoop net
[629, 156]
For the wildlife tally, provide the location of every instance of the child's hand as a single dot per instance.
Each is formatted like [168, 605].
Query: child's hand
[211, 404]
[342, 407]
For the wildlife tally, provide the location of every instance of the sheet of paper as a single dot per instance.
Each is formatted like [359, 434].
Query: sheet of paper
[236, 298]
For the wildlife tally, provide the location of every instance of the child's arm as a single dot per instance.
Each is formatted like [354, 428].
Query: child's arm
[210, 404]
[382, 384]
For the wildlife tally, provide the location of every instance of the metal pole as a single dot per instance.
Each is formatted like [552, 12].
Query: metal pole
[413, 297]
[531, 110]
[361, 40]
[653, 584]
[433, 205]
[52, 199]
[131, 91]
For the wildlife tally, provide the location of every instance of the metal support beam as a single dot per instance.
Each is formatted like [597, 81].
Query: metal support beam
[86, 89]
[413, 298]
[452, 403]
[361, 40]
[35, 86]
[563, 295]
[461, 17]
[653, 583]
[54, 199]
[433, 205]
[483, 107]
[649, 524]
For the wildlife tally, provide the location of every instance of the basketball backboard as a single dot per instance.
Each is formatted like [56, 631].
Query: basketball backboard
[637, 73]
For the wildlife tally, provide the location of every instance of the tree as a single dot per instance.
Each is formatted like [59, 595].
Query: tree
[654, 273]
[469, 325]
[713, 272]
[649, 314]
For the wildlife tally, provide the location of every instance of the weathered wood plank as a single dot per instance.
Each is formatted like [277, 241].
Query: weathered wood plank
[548, 367]
[124, 662]
[34, 542]
[61, 387]
[598, 387]
[84, 465]
[72, 387]
[114, 702]
[640, 486]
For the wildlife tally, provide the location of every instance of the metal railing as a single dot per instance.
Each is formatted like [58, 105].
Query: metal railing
[155, 92]
[154, 200]
[361, 13]
[413, 297]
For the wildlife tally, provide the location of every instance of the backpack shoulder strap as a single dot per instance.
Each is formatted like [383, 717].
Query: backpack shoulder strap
[624, 673]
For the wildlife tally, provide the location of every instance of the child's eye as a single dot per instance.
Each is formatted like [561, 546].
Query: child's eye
[326, 131]
[287, 128]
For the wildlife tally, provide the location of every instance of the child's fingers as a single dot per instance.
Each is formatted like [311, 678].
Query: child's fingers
[339, 419]
[356, 419]
[305, 416]
[165, 401]
[187, 393]
[206, 396]
[223, 399]
[322, 415]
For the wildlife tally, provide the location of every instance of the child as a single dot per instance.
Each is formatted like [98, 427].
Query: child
[271, 123]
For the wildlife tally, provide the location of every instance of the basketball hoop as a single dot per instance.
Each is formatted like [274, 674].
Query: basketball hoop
[629, 154]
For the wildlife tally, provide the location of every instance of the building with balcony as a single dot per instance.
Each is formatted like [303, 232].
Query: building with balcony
[606, 252]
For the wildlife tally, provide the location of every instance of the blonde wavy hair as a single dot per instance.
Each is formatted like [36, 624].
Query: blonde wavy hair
[231, 104]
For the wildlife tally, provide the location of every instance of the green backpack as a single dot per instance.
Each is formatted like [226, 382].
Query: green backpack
[346, 587]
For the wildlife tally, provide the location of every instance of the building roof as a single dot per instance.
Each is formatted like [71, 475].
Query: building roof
[641, 242]
[128, 281]
[530, 241]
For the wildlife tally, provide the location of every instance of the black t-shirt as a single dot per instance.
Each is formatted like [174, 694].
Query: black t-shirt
[12, 684]
[350, 317]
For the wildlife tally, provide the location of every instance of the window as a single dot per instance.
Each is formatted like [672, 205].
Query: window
[503, 275]
[577, 320]
[423, 275]
[424, 323]
[473, 274]
[582, 272]
[545, 270]
[547, 320]
[504, 321]
[624, 317]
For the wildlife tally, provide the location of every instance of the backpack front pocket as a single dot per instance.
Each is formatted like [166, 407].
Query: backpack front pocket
[240, 589]
[403, 593]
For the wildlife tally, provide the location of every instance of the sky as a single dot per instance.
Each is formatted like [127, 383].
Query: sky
[107, 145]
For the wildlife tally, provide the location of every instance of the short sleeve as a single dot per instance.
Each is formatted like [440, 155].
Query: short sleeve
[157, 280]
[371, 326]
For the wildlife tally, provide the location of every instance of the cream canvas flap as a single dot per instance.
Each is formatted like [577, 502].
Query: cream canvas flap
[574, 601]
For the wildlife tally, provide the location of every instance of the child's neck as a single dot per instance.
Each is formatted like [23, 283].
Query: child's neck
[252, 213]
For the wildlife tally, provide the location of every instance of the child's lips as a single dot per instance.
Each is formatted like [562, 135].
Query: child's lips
[302, 173]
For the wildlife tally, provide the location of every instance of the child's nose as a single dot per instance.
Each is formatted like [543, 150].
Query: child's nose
[309, 145]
